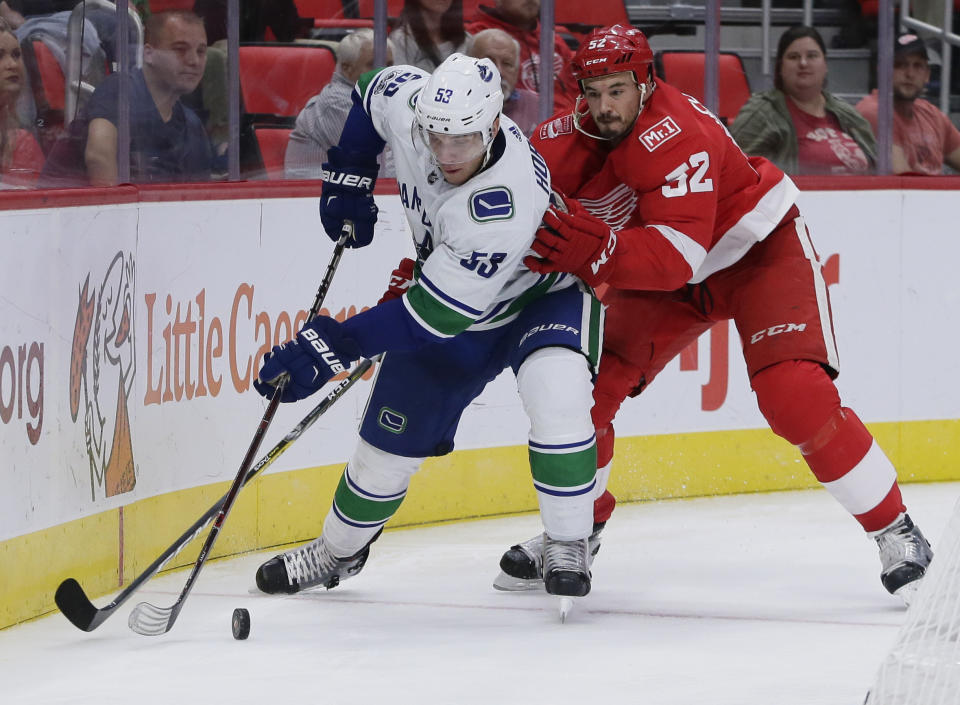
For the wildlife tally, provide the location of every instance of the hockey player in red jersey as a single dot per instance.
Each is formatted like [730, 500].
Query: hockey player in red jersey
[662, 207]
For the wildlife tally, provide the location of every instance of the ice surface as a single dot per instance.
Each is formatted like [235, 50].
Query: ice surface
[746, 600]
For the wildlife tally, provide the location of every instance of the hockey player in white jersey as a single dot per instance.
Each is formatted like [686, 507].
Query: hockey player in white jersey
[474, 190]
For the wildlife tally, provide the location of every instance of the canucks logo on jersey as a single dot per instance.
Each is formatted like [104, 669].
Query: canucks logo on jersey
[491, 203]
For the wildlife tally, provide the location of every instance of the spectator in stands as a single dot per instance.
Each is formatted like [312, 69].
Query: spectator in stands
[799, 126]
[520, 105]
[9, 15]
[211, 99]
[256, 17]
[429, 32]
[20, 155]
[521, 20]
[320, 123]
[167, 139]
[17, 12]
[923, 137]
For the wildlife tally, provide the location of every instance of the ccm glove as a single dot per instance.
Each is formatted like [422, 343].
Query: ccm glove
[347, 195]
[570, 239]
[319, 352]
[400, 280]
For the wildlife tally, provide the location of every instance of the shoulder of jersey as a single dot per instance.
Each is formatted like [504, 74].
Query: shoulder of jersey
[669, 120]
[388, 81]
[559, 128]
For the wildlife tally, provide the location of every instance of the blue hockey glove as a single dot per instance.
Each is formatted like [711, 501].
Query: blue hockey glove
[319, 352]
[347, 194]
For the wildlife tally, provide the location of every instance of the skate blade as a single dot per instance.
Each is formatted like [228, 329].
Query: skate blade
[908, 592]
[566, 605]
[508, 583]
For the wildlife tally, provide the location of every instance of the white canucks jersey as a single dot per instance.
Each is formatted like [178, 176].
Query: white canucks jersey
[470, 239]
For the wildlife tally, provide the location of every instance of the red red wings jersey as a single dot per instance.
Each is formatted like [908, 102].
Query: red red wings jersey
[684, 200]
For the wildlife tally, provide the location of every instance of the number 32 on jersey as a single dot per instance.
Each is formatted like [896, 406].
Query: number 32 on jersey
[680, 181]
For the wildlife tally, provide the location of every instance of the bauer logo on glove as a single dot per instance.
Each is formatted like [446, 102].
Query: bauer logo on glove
[319, 352]
[347, 180]
[321, 348]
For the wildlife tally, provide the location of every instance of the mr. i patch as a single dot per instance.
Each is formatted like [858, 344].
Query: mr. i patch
[494, 203]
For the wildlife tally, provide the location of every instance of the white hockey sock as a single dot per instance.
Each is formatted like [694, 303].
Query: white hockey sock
[557, 394]
[373, 485]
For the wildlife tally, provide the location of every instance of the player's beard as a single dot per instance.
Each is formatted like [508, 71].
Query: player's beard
[612, 126]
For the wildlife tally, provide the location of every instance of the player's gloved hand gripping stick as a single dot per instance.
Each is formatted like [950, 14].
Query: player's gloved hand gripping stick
[151, 620]
[320, 350]
[347, 195]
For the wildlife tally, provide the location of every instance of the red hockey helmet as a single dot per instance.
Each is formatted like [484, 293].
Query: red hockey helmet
[606, 51]
[611, 50]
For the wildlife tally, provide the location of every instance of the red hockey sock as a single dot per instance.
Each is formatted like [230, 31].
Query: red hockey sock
[802, 405]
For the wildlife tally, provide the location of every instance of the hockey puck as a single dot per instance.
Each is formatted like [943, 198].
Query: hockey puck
[240, 623]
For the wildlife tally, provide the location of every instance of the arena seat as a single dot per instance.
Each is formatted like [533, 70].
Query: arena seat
[48, 85]
[50, 74]
[595, 13]
[325, 9]
[685, 70]
[272, 143]
[277, 80]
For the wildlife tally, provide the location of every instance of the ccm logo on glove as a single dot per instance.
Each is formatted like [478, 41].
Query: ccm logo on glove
[323, 350]
[605, 254]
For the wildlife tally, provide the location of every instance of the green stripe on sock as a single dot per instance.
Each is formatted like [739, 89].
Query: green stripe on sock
[362, 509]
[564, 469]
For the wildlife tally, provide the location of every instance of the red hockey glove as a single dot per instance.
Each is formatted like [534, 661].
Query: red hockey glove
[575, 242]
[400, 280]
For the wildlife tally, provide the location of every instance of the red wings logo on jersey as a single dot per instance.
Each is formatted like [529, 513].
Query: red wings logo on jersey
[659, 133]
[615, 208]
[555, 128]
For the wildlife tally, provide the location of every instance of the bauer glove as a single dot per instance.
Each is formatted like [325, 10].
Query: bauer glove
[347, 195]
[319, 352]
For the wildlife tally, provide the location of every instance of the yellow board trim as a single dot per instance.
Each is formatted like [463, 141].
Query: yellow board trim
[289, 507]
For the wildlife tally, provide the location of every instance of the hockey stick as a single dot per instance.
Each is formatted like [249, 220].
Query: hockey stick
[70, 597]
[150, 620]
[73, 601]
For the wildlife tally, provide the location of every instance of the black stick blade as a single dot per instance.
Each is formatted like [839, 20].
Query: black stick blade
[76, 606]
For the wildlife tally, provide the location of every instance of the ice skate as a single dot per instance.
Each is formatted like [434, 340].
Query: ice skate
[308, 566]
[904, 555]
[521, 567]
[566, 571]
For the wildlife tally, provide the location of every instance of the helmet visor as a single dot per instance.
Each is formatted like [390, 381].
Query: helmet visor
[453, 150]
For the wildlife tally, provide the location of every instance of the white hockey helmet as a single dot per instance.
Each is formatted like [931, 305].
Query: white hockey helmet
[461, 98]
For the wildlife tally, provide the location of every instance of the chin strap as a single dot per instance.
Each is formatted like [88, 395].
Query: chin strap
[579, 115]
